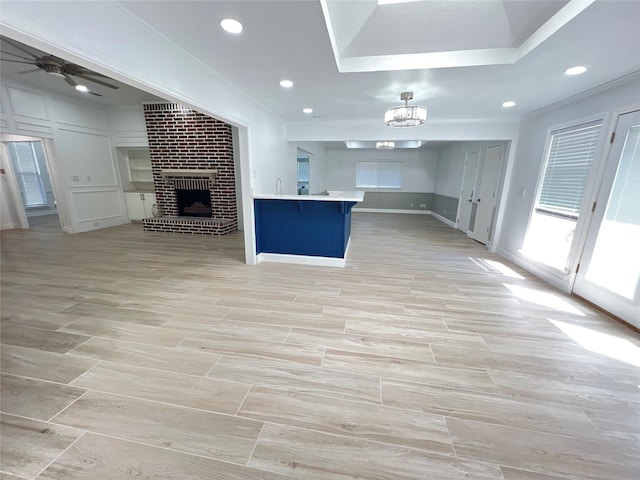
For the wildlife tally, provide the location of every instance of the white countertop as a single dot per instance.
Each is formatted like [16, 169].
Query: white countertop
[338, 197]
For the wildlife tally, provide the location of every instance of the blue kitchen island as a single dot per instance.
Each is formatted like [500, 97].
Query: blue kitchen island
[306, 229]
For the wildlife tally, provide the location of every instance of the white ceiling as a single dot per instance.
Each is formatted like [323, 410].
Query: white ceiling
[366, 29]
[290, 39]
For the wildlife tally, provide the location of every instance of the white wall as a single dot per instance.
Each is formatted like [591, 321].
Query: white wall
[127, 126]
[528, 158]
[83, 171]
[450, 166]
[449, 170]
[375, 129]
[9, 215]
[418, 168]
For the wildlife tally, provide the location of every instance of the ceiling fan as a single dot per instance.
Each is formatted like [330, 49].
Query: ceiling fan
[57, 67]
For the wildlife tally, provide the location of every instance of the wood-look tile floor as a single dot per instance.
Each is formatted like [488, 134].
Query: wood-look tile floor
[128, 354]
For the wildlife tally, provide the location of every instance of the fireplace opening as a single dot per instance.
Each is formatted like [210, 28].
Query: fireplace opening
[194, 203]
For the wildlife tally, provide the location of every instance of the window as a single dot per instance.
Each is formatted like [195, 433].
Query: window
[379, 175]
[24, 158]
[567, 169]
[561, 193]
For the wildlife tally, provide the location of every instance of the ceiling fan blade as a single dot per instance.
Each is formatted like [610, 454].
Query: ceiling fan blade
[70, 80]
[17, 61]
[22, 49]
[30, 71]
[15, 55]
[99, 82]
[91, 73]
[94, 93]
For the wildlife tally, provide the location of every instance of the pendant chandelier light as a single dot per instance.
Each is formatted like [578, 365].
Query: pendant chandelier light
[385, 145]
[405, 115]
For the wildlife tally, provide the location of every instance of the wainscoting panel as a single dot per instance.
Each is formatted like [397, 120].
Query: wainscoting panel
[27, 104]
[88, 158]
[446, 207]
[396, 201]
[97, 205]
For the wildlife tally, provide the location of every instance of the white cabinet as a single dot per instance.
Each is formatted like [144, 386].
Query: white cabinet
[139, 205]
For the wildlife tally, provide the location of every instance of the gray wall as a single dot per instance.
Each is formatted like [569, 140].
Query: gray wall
[444, 206]
[397, 201]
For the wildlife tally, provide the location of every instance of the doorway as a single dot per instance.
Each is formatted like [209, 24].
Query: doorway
[608, 272]
[469, 176]
[303, 172]
[483, 205]
[30, 188]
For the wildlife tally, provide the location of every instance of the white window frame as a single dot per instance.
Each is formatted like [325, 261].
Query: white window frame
[35, 175]
[547, 207]
[379, 180]
[589, 196]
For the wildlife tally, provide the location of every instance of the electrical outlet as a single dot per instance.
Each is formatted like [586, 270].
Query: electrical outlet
[445, 210]
[423, 205]
[75, 178]
[411, 204]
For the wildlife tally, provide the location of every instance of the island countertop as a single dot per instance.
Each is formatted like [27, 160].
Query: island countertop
[338, 197]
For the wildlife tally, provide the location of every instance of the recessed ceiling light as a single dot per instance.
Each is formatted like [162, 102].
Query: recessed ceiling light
[82, 88]
[230, 25]
[575, 70]
[286, 83]
[307, 110]
[509, 104]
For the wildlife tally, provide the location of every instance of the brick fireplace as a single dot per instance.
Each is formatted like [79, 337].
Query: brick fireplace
[191, 152]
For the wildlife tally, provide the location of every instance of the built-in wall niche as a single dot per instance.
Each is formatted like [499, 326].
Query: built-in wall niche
[135, 168]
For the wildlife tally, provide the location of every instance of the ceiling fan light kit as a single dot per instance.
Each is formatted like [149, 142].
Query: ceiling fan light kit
[54, 70]
[405, 115]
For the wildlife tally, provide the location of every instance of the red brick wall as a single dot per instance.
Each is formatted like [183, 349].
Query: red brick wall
[183, 138]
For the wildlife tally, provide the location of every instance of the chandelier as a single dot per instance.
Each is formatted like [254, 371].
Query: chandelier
[405, 115]
[385, 145]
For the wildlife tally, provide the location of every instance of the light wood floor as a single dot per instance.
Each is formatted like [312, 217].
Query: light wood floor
[139, 355]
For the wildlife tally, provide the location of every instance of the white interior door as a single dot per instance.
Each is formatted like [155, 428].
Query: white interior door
[471, 162]
[609, 268]
[487, 193]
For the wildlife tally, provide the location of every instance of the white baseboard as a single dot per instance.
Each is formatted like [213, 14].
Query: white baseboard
[444, 220]
[391, 210]
[300, 259]
[10, 226]
[558, 282]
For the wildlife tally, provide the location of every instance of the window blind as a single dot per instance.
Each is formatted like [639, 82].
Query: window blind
[379, 175]
[566, 172]
[27, 172]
